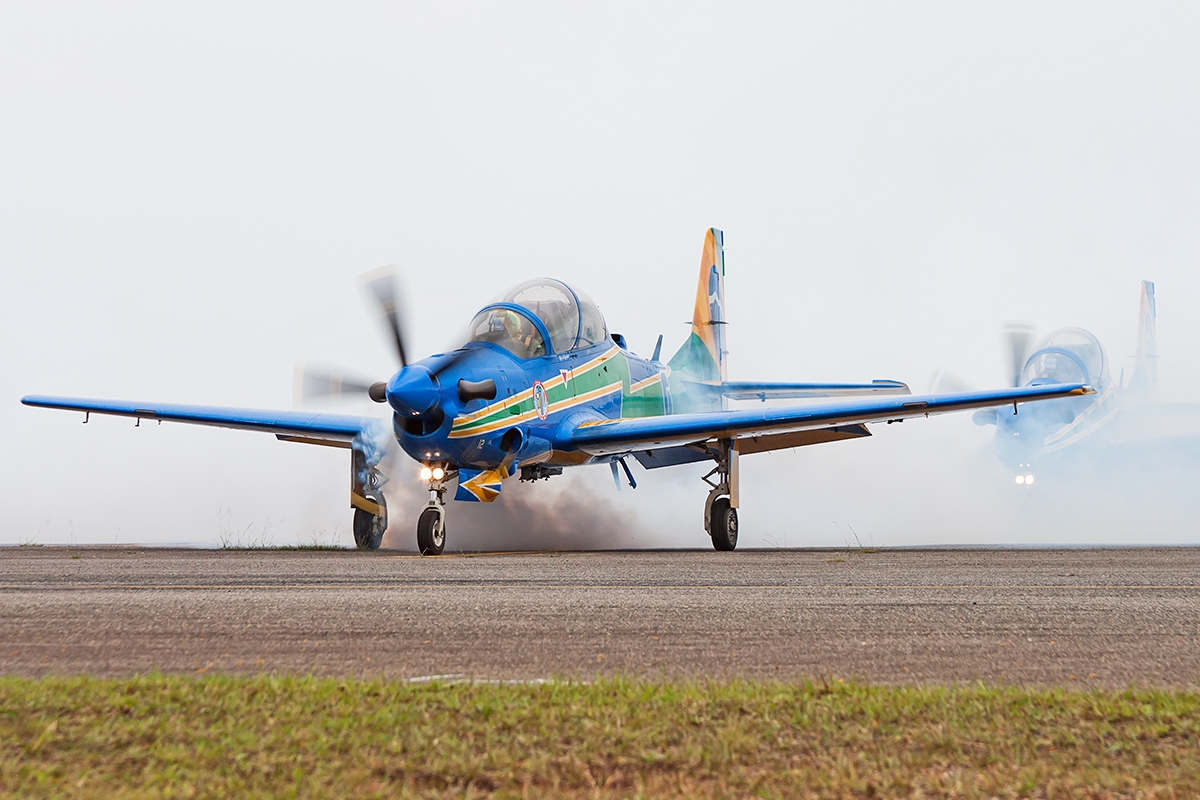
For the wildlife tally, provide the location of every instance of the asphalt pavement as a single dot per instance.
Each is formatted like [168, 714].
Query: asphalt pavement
[1079, 617]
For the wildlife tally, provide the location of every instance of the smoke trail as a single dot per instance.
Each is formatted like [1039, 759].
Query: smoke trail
[941, 483]
[564, 513]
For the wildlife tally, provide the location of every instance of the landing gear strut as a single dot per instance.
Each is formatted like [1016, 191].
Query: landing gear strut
[370, 506]
[720, 509]
[431, 525]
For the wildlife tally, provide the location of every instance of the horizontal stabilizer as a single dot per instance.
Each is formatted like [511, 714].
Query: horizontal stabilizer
[745, 390]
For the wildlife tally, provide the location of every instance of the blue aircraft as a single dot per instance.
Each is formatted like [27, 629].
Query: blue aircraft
[541, 384]
[1119, 412]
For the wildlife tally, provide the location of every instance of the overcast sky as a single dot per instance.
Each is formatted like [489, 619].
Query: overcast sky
[187, 194]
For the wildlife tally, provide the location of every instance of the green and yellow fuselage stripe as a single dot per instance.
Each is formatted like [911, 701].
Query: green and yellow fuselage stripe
[582, 384]
[643, 385]
[605, 374]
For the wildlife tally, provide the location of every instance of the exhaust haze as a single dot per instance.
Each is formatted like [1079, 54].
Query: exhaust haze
[567, 513]
[191, 192]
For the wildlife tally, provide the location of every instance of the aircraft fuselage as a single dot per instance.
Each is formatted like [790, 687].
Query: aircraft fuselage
[536, 401]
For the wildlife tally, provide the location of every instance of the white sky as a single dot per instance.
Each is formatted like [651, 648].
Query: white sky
[188, 192]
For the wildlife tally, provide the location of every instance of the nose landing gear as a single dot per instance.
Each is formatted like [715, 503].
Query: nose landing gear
[720, 509]
[431, 525]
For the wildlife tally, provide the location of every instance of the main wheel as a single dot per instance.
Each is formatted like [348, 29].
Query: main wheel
[431, 532]
[722, 524]
[368, 530]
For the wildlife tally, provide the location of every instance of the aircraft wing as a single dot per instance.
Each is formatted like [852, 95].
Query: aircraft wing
[337, 430]
[613, 437]
[747, 390]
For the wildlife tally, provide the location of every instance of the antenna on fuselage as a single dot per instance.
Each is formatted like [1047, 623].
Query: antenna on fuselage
[657, 349]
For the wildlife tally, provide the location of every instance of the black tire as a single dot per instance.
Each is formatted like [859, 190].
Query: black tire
[723, 524]
[431, 532]
[368, 530]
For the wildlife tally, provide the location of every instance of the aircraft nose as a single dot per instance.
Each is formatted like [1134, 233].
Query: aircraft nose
[413, 391]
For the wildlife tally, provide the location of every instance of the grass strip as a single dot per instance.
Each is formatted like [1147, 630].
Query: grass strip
[268, 736]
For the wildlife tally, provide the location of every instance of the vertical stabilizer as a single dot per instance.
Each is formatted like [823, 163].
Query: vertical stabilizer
[1145, 371]
[702, 356]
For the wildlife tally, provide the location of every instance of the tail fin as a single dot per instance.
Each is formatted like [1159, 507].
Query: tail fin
[702, 356]
[1145, 372]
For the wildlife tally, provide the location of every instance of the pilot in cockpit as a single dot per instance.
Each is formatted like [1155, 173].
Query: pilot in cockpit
[520, 332]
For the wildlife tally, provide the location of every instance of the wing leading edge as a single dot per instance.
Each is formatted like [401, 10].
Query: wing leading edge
[612, 437]
[337, 430]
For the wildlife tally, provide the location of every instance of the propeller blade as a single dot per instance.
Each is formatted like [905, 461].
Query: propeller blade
[382, 286]
[1018, 339]
[318, 384]
[943, 381]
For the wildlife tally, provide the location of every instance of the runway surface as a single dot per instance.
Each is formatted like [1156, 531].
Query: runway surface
[1093, 617]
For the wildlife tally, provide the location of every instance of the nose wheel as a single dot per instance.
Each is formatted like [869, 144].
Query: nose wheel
[431, 531]
[431, 525]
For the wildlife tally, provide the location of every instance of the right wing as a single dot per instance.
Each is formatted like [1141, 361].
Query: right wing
[773, 428]
[336, 430]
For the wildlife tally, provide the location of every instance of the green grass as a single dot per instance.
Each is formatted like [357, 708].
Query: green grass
[173, 736]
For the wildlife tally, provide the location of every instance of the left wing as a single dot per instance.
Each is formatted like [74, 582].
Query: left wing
[337, 430]
[612, 437]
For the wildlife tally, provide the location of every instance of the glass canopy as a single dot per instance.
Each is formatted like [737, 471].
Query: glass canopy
[569, 317]
[1080, 359]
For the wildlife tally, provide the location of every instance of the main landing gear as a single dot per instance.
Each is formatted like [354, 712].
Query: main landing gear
[720, 509]
[370, 506]
[431, 525]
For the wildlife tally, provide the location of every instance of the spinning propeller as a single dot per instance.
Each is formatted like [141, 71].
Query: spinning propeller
[1018, 337]
[414, 390]
[381, 284]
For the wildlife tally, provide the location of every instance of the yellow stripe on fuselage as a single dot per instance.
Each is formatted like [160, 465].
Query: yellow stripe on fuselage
[517, 399]
[646, 384]
[561, 405]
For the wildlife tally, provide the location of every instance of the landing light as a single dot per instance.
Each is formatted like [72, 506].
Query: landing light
[1029, 480]
[439, 473]
[1020, 478]
[426, 473]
